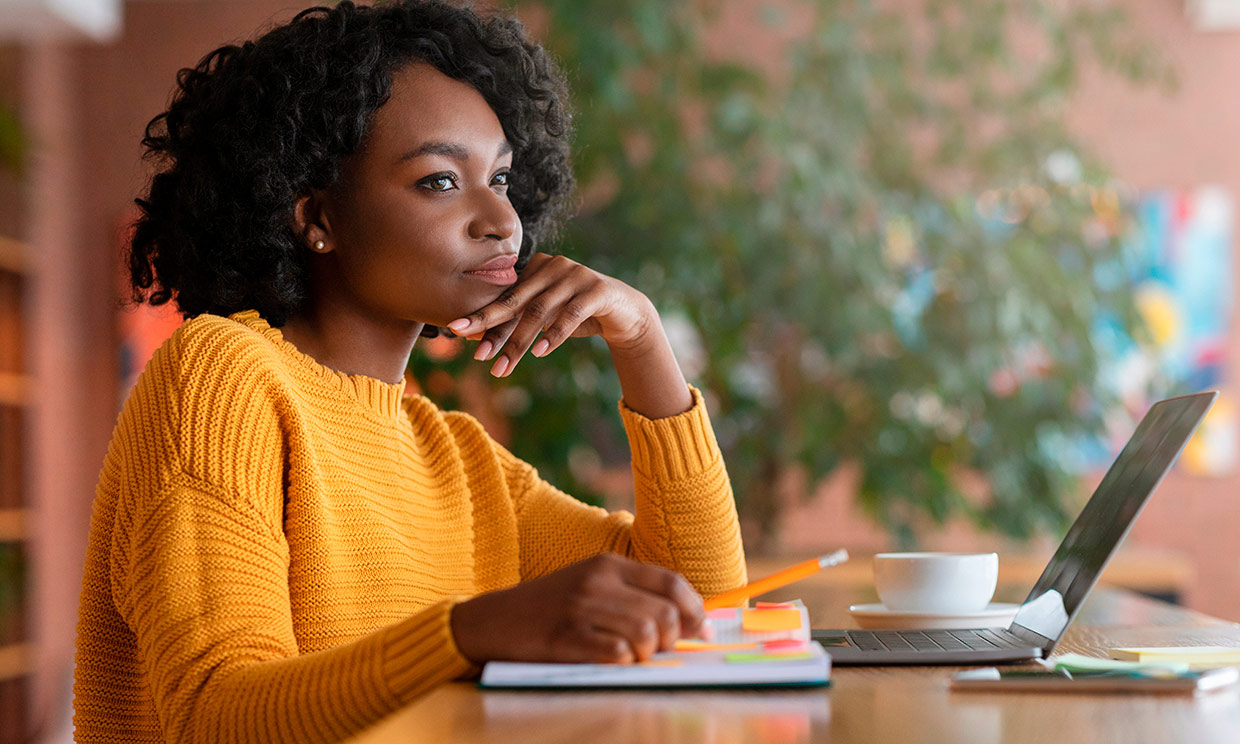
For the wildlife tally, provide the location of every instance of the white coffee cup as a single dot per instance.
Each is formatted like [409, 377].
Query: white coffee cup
[938, 583]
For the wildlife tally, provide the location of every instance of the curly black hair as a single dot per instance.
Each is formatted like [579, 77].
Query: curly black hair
[252, 128]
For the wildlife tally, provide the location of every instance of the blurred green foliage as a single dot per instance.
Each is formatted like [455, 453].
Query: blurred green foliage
[883, 237]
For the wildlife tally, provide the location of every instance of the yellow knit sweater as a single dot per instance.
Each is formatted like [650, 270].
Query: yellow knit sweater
[276, 547]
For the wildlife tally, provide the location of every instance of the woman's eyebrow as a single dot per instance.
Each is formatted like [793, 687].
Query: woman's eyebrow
[448, 150]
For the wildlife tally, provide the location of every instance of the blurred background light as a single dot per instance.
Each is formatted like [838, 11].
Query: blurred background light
[60, 19]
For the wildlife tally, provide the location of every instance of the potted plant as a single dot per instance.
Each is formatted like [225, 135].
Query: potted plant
[880, 246]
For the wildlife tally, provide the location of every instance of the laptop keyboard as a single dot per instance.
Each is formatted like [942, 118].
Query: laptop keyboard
[932, 640]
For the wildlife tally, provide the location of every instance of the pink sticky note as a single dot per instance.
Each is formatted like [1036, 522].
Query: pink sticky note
[786, 645]
[727, 613]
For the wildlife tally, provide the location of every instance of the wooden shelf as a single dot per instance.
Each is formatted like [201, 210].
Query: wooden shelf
[13, 256]
[14, 661]
[17, 655]
[13, 525]
[14, 389]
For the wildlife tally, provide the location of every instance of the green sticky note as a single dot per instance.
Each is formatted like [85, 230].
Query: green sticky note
[1080, 663]
[751, 658]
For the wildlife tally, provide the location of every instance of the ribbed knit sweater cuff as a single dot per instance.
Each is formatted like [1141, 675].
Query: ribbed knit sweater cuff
[421, 652]
[672, 448]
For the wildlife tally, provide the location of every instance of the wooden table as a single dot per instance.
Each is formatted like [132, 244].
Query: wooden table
[867, 705]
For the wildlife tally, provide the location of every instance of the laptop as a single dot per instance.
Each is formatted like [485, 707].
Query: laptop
[1072, 572]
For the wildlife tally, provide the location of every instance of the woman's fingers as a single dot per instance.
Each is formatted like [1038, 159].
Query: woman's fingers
[493, 340]
[511, 303]
[533, 316]
[647, 623]
[562, 309]
[600, 646]
[605, 609]
[575, 314]
[650, 606]
[672, 587]
[559, 298]
[556, 298]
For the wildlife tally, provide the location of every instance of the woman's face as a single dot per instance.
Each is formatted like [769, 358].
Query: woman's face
[420, 226]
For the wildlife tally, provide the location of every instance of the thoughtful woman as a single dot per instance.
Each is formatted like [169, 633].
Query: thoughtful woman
[285, 547]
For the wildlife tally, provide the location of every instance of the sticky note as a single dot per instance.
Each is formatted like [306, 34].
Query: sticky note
[728, 613]
[692, 644]
[774, 605]
[1190, 654]
[760, 621]
[1081, 663]
[751, 658]
[784, 645]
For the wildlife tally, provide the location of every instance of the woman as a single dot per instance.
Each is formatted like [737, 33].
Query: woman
[284, 547]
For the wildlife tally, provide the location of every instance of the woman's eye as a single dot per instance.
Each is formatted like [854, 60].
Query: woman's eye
[501, 179]
[439, 182]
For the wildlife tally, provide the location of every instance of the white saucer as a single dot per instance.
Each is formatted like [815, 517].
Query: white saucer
[877, 616]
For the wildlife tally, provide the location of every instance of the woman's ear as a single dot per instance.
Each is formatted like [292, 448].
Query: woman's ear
[310, 223]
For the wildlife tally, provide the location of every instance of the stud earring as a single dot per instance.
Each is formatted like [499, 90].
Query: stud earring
[320, 246]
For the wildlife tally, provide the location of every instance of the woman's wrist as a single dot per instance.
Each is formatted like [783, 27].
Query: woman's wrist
[640, 336]
[650, 377]
[462, 623]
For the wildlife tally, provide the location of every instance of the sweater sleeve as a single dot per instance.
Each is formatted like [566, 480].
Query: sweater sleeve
[202, 581]
[685, 514]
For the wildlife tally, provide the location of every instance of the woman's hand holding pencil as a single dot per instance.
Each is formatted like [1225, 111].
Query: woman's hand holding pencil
[605, 609]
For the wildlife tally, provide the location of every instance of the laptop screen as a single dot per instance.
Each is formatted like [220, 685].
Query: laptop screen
[1105, 520]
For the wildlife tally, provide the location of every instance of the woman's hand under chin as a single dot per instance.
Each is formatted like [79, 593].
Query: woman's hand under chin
[559, 298]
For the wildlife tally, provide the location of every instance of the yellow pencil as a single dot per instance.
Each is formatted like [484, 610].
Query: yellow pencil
[776, 580]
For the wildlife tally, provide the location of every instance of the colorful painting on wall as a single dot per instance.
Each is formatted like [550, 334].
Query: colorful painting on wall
[1182, 276]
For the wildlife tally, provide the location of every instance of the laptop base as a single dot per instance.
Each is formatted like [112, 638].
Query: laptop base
[956, 647]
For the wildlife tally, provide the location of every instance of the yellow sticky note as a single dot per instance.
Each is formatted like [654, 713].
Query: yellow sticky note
[1191, 654]
[765, 621]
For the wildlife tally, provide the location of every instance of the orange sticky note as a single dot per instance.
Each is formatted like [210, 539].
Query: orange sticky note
[773, 605]
[765, 621]
[693, 644]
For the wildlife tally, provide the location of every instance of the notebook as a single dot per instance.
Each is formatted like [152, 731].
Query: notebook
[1072, 572]
[766, 646]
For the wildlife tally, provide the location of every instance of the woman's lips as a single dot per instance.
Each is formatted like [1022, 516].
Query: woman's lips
[500, 271]
[503, 277]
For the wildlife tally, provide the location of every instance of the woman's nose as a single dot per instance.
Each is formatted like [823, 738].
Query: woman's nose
[494, 217]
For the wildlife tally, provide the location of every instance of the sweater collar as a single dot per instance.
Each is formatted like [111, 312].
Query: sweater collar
[381, 397]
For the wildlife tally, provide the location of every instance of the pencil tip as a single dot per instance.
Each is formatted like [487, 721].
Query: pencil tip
[832, 559]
